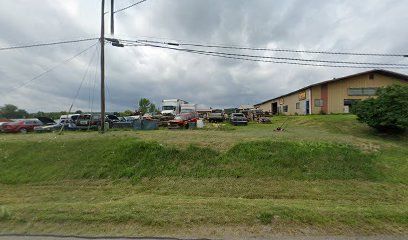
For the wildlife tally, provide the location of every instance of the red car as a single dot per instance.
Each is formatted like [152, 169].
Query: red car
[22, 126]
[182, 120]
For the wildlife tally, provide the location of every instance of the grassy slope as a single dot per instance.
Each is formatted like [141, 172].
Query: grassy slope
[325, 173]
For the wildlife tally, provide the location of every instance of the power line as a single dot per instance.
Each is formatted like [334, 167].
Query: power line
[95, 80]
[132, 5]
[300, 59]
[258, 59]
[49, 70]
[180, 43]
[82, 81]
[79, 88]
[47, 44]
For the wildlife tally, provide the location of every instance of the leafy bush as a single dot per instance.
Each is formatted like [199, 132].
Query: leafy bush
[388, 112]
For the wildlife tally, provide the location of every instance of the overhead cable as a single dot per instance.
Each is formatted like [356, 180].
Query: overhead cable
[132, 5]
[180, 43]
[47, 44]
[293, 61]
[50, 69]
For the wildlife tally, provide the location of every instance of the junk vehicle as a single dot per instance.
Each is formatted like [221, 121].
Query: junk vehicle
[172, 106]
[216, 115]
[53, 127]
[69, 118]
[238, 119]
[4, 121]
[188, 108]
[49, 125]
[88, 121]
[22, 126]
[182, 120]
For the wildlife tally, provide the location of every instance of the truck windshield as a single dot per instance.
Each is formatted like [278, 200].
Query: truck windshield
[169, 108]
[187, 110]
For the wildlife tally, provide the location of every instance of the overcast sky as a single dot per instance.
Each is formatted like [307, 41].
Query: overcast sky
[135, 72]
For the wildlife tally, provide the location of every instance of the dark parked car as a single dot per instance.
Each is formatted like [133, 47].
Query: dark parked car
[22, 126]
[238, 119]
[91, 121]
[264, 120]
[112, 119]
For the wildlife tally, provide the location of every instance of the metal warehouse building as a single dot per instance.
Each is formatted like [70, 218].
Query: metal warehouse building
[333, 96]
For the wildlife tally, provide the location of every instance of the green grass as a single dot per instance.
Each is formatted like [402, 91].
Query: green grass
[323, 174]
[29, 162]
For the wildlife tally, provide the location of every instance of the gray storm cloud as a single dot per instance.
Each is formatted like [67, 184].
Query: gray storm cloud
[135, 72]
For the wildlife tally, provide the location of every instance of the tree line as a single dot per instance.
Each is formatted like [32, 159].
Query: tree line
[11, 111]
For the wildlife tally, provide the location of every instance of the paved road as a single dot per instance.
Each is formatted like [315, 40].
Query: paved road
[383, 237]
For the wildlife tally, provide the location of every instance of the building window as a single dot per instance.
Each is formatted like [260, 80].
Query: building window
[318, 102]
[371, 76]
[362, 91]
[298, 105]
[285, 108]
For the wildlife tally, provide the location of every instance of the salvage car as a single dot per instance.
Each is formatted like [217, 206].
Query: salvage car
[264, 120]
[216, 116]
[88, 121]
[22, 126]
[238, 119]
[49, 128]
[183, 120]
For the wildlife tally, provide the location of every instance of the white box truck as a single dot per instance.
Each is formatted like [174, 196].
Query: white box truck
[188, 108]
[172, 106]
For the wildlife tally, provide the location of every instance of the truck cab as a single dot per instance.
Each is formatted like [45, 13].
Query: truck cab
[172, 106]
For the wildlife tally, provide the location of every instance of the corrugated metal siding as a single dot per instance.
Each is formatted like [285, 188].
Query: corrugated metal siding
[266, 107]
[338, 91]
[316, 94]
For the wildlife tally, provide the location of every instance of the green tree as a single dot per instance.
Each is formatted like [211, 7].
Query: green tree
[12, 111]
[127, 113]
[388, 112]
[40, 114]
[152, 108]
[145, 106]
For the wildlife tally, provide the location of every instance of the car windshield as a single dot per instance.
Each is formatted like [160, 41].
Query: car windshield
[75, 117]
[169, 108]
[238, 115]
[113, 117]
[84, 117]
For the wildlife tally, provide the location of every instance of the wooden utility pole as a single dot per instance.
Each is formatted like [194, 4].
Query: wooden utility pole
[102, 41]
[112, 12]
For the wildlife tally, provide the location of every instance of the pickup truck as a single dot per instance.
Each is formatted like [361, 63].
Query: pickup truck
[216, 115]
